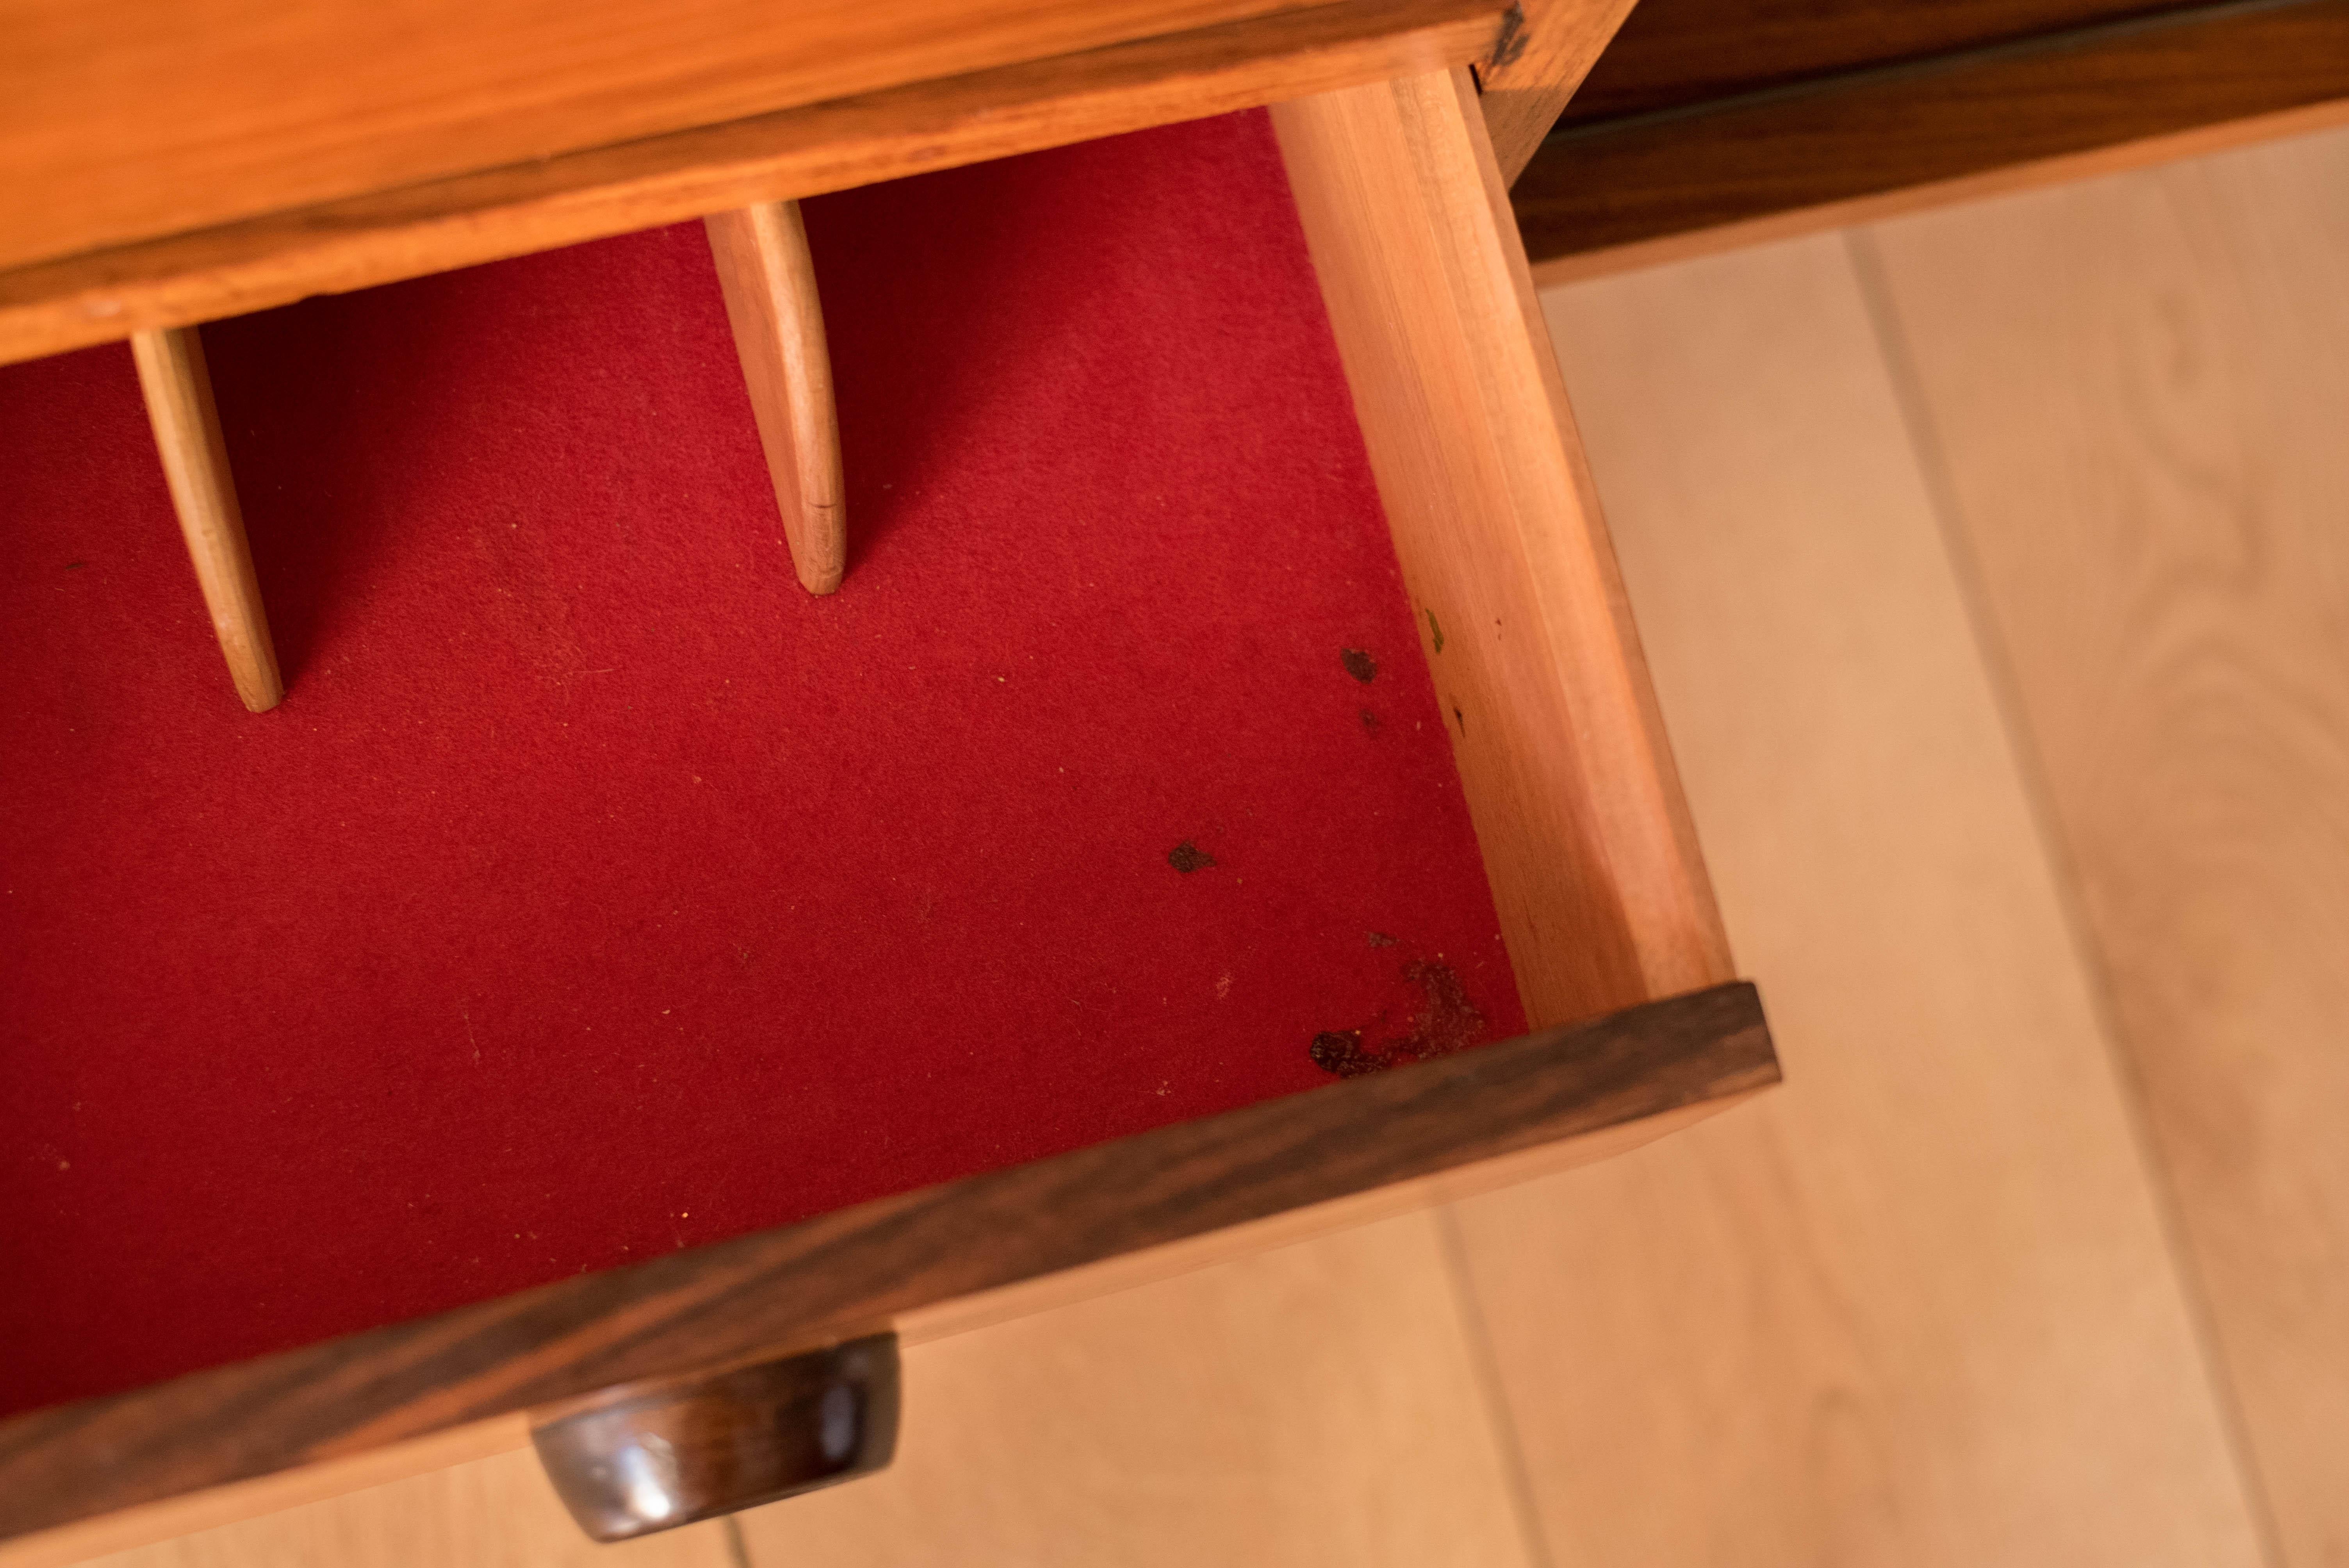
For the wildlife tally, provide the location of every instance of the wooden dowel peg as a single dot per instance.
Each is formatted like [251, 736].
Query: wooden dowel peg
[770, 284]
[179, 393]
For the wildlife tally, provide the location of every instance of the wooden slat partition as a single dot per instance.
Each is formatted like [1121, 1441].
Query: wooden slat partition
[771, 302]
[179, 392]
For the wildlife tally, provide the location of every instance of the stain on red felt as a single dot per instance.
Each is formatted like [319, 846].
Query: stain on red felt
[597, 891]
[1441, 1020]
[1187, 857]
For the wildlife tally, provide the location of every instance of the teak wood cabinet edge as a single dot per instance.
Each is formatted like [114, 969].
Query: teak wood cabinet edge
[384, 235]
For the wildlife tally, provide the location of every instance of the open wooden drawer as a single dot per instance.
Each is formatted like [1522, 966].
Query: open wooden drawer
[597, 898]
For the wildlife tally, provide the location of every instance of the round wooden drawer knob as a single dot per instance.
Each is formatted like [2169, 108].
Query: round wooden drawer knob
[650, 1459]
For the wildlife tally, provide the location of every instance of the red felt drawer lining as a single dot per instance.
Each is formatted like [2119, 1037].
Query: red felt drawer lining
[595, 892]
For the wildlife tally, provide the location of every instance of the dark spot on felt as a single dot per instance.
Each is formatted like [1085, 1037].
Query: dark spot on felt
[1435, 631]
[1370, 720]
[75, 565]
[1380, 939]
[1187, 857]
[1358, 665]
[1445, 1022]
[1340, 1051]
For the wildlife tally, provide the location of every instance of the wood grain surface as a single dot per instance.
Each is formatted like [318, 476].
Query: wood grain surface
[854, 1271]
[357, 242]
[1316, 1406]
[127, 121]
[246, 1504]
[1678, 52]
[496, 1513]
[1594, 868]
[2139, 389]
[1615, 184]
[1916, 1307]
[177, 389]
[2146, 152]
[1313, 1405]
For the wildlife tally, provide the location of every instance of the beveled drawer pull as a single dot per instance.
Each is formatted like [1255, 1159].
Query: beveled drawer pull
[647, 1461]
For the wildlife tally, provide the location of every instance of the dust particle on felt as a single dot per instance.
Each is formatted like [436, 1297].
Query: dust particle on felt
[1449, 1023]
[1358, 665]
[1369, 721]
[1187, 857]
[1380, 939]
